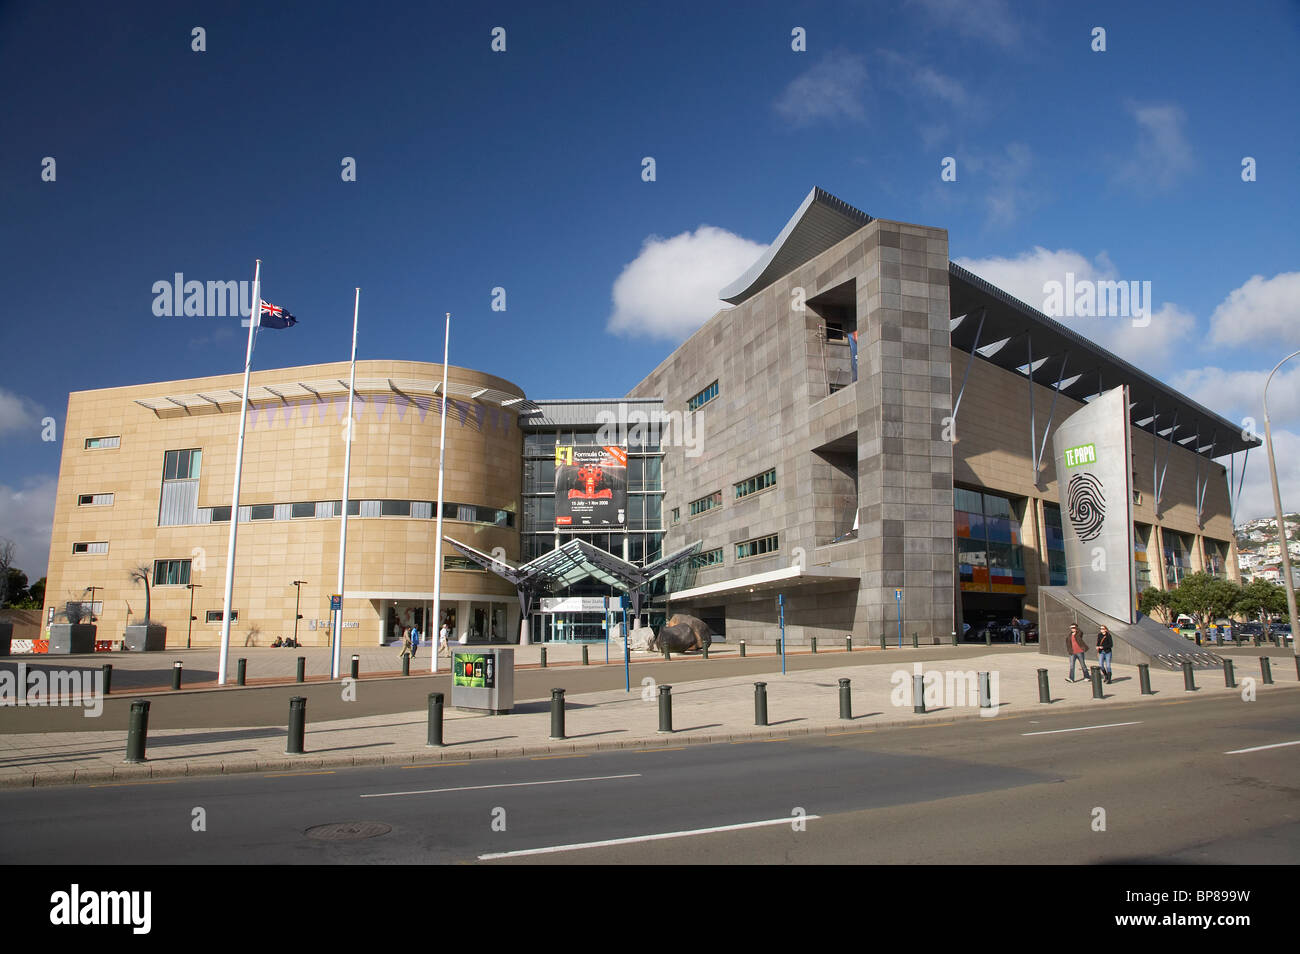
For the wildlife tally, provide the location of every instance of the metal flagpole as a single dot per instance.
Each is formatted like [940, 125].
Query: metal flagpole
[336, 657]
[1287, 579]
[239, 467]
[437, 544]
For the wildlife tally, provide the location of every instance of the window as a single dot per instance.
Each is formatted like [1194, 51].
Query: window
[214, 616]
[182, 464]
[171, 572]
[395, 508]
[754, 484]
[459, 563]
[756, 547]
[677, 514]
[220, 514]
[307, 509]
[101, 547]
[707, 558]
[261, 512]
[705, 504]
[703, 398]
[95, 500]
[101, 443]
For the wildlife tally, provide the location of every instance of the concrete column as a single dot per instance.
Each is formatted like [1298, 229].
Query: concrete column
[1158, 543]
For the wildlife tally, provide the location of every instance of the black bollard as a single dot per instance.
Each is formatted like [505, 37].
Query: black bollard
[1096, 683]
[302, 669]
[435, 719]
[667, 654]
[846, 700]
[848, 644]
[954, 638]
[406, 665]
[137, 733]
[543, 657]
[241, 671]
[778, 647]
[882, 640]
[1189, 680]
[760, 703]
[814, 644]
[585, 662]
[704, 650]
[914, 642]
[918, 692]
[297, 725]
[1044, 693]
[988, 636]
[1229, 677]
[1266, 670]
[665, 708]
[1144, 678]
[742, 649]
[557, 713]
[356, 666]
[1297, 667]
[177, 669]
[108, 678]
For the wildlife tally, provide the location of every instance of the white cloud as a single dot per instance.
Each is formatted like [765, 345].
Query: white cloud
[830, 90]
[26, 517]
[1163, 153]
[1257, 494]
[18, 414]
[1240, 394]
[1264, 310]
[908, 75]
[1005, 176]
[671, 288]
[979, 19]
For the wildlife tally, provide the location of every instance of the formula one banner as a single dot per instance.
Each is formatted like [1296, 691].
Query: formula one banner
[590, 487]
[1094, 471]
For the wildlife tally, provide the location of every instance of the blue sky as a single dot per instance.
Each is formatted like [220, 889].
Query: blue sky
[522, 169]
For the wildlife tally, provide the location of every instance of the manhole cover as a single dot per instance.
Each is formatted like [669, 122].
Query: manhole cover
[348, 831]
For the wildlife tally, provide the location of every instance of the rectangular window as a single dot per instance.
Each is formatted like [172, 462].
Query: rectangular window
[707, 558]
[703, 398]
[102, 443]
[756, 483]
[704, 504]
[171, 572]
[214, 616]
[261, 512]
[677, 514]
[756, 547]
[395, 508]
[304, 509]
[182, 464]
[459, 563]
[220, 514]
[95, 500]
[101, 547]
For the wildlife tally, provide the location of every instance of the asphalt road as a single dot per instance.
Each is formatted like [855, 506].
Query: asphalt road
[1022, 789]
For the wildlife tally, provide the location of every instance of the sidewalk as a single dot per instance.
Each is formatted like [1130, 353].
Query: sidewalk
[714, 710]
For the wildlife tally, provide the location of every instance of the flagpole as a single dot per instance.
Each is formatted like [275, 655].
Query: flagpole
[239, 467]
[336, 658]
[437, 534]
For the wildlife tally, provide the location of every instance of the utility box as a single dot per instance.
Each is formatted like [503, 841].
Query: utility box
[483, 678]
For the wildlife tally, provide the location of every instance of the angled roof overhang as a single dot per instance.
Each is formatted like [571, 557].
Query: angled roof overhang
[577, 560]
[773, 581]
[1089, 369]
[820, 222]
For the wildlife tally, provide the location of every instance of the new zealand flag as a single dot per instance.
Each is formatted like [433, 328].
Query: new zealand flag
[273, 316]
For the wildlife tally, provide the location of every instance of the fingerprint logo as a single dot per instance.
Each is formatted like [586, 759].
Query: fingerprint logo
[1087, 505]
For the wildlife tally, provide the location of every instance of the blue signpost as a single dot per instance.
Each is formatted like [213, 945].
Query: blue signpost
[627, 666]
[780, 605]
[898, 599]
[607, 631]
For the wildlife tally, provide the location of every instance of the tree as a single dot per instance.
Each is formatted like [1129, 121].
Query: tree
[142, 574]
[37, 593]
[15, 588]
[1205, 598]
[1157, 603]
[7, 550]
[1262, 600]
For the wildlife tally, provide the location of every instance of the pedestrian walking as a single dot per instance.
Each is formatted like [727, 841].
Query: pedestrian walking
[406, 647]
[1078, 651]
[415, 639]
[443, 634]
[1105, 646]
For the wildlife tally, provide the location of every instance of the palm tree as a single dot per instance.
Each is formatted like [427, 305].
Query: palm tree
[141, 574]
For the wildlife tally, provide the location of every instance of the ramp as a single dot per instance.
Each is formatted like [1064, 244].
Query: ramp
[1145, 641]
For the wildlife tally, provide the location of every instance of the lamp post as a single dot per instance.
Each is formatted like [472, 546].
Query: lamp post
[189, 632]
[297, 585]
[1287, 579]
[91, 591]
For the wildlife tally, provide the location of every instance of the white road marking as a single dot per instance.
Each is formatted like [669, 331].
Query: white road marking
[475, 788]
[639, 838]
[1260, 748]
[1082, 728]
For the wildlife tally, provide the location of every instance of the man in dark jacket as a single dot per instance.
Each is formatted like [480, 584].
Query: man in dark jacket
[1078, 648]
[1105, 645]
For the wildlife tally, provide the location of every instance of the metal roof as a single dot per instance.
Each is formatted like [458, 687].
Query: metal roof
[576, 561]
[820, 222]
[581, 413]
[1010, 327]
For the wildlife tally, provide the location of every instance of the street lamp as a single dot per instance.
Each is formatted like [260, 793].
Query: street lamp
[297, 585]
[189, 632]
[91, 591]
[1287, 579]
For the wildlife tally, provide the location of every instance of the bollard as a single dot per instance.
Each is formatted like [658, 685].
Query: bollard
[1044, 692]
[1229, 677]
[1189, 680]
[1198, 637]
[665, 708]
[356, 666]
[1257, 640]
[585, 661]
[435, 719]
[108, 678]
[954, 637]
[914, 642]
[760, 703]
[986, 690]
[814, 644]
[1297, 667]
[778, 647]
[297, 725]
[667, 654]
[302, 669]
[848, 644]
[557, 714]
[704, 650]
[846, 700]
[406, 665]
[241, 671]
[988, 636]
[1096, 683]
[543, 657]
[1266, 670]
[177, 669]
[1144, 678]
[742, 649]
[137, 733]
[918, 692]
[882, 640]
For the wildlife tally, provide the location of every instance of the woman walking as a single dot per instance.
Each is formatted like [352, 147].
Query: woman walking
[1105, 645]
